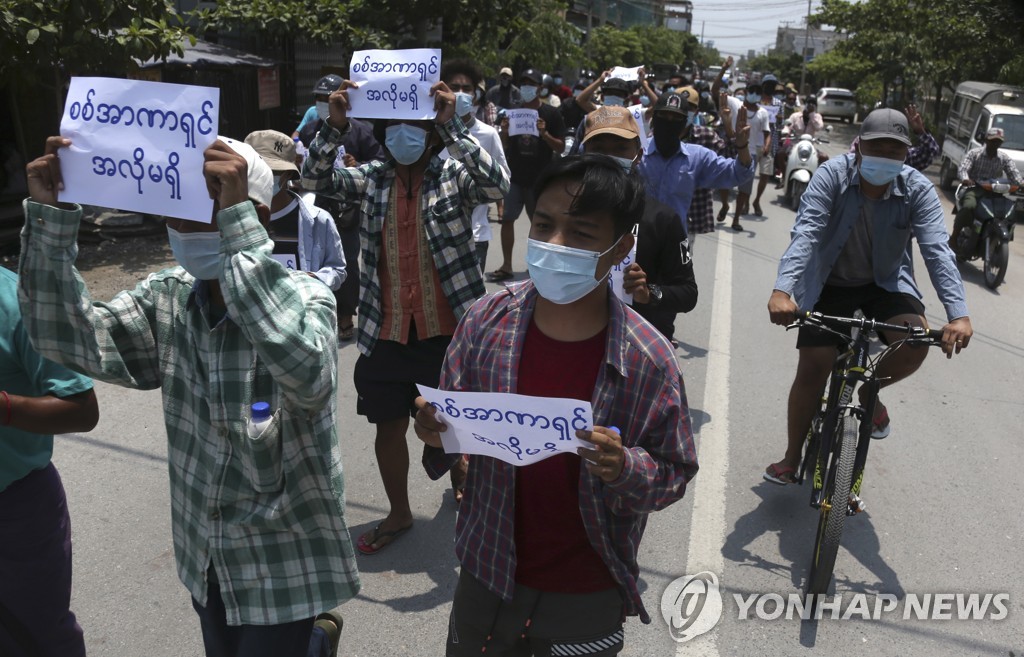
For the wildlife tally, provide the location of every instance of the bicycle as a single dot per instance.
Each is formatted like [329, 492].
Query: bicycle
[837, 446]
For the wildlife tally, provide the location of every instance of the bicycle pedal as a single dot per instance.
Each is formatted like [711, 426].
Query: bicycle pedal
[857, 505]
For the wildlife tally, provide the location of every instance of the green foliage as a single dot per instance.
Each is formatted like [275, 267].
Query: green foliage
[544, 39]
[785, 66]
[40, 37]
[319, 21]
[837, 68]
[642, 45]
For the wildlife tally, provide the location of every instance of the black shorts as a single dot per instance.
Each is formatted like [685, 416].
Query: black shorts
[876, 303]
[386, 379]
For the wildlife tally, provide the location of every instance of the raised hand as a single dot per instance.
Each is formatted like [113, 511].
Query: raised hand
[226, 173]
[339, 105]
[914, 119]
[444, 102]
[742, 129]
[43, 173]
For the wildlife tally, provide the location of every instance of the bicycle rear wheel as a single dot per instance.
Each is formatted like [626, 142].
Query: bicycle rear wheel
[832, 515]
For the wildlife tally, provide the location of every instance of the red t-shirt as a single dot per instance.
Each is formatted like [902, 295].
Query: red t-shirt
[553, 552]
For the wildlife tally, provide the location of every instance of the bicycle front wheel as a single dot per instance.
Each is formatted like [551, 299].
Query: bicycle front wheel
[836, 501]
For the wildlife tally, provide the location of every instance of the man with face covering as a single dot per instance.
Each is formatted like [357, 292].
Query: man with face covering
[505, 94]
[258, 522]
[673, 170]
[419, 273]
[549, 550]
[851, 250]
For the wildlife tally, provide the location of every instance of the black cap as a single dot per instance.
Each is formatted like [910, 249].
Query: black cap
[676, 102]
[531, 74]
[615, 84]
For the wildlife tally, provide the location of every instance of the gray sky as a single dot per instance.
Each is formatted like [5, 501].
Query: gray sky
[736, 26]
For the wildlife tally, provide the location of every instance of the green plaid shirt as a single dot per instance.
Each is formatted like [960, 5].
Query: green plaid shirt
[451, 189]
[267, 514]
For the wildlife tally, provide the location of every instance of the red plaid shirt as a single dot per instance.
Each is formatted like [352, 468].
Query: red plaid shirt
[701, 218]
[639, 389]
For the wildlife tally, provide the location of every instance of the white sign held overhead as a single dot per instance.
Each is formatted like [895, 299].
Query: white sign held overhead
[394, 84]
[625, 73]
[517, 429]
[138, 146]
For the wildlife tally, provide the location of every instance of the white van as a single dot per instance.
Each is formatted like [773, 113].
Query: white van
[977, 107]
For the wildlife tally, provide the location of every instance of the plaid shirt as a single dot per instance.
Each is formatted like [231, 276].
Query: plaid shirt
[451, 189]
[640, 390]
[268, 515]
[701, 218]
[977, 165]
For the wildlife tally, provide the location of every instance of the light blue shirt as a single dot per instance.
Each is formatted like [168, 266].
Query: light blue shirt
[320, 250]
[674, 180]
[910, 211]
[309, 117]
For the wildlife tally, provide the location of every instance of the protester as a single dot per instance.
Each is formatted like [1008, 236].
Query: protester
[258, 524]
[927, 149]
[419, 273]
[614, 92]
[358, 146]
[559, 87]
[506, 95]
[572, 113]
[318, 111]
[39, 398]
[300, 230]
[983, 163]
[546, 92]
[772, 101]
[527, 155]
[525, 588]
[661, 279]
[673, 170]
[485, 111]
[700, 217]
[760, 151]
[462, 76]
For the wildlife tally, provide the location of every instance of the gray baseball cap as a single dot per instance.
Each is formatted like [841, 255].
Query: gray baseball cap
[885, 123]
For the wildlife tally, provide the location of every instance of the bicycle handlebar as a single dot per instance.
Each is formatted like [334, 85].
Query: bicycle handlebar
[916, 333]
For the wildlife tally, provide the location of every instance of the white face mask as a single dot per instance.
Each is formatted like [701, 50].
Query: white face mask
[277, 185]
[563, 274]
[323, 110]
[198, 253]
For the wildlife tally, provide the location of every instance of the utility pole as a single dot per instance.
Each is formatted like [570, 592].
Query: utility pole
[803, 63]
[702, 33]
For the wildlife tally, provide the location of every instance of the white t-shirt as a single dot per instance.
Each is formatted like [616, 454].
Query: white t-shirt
[734, 108]
[490, 141]
[759, 124]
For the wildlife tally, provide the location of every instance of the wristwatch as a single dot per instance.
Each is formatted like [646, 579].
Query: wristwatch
[655, 294]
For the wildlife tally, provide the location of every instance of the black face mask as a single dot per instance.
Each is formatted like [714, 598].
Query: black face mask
[666, 135]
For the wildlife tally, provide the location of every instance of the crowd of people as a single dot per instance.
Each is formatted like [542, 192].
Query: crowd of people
[378, 232]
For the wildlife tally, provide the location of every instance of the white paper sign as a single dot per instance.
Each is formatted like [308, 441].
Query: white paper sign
[619, 270]
[285, 259]
[517, 429]
[138, 146]
[339, 159]
[394, 84]
[522, 122]
[638, 115]
[623, 73]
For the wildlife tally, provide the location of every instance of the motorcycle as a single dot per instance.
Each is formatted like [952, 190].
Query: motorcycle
[989, 236]
[801, 163]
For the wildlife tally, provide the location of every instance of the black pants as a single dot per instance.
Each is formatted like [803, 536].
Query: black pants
[347, 295]
[534, 622]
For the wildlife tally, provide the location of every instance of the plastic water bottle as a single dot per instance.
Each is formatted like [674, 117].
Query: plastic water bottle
[300, 148]
[259, 420]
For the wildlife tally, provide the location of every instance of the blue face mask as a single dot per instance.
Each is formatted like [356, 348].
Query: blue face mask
[879, 170]
[405, 142]
[528, 92]
[563, 274]
[645, 101]
[753, 98]
[695, 119]
[558, 80]
[625, 163]
[614, 101]
[463, 103]
[198, 253]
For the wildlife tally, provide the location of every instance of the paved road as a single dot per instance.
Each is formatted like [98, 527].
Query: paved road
[941, 493]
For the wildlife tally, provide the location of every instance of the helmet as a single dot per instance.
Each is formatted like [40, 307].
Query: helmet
[582, 83]
[326, 85]
[811, 100]
[546, 81]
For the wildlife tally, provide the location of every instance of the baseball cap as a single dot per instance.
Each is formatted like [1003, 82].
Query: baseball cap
[885, 123]
[276, 148]
[995, 133]
[505, 71]
[615, 84]
[607, 120]
[531, 74]
[261, 179]
[676, 102]
[769, 78]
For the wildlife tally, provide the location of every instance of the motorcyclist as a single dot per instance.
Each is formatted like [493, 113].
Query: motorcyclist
[982, 163]
[805, 122]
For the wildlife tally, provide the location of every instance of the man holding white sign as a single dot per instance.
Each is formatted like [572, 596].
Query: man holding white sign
[258, 522]
[548, 549]
[419, 273]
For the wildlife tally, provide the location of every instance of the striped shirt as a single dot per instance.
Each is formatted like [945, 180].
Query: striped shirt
[267, 515]
[977, 165]
[639, 389]
[451, 189]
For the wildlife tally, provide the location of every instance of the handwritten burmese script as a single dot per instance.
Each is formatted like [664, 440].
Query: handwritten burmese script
[522, 122]
[138, 146]
[517, 429]
[394, 84]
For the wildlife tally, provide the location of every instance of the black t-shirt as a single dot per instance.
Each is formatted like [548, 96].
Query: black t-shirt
[528, 155]
[572, 113]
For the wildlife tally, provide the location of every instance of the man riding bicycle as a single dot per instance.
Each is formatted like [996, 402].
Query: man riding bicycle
[850, 251]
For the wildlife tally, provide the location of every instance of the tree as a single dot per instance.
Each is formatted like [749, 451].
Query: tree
[786, 66]
[319, 21]
[42, 39]
[609, 46]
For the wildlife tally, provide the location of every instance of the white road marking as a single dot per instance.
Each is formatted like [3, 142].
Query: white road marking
[707, 529]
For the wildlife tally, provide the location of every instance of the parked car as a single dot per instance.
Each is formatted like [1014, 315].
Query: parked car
[837, 103]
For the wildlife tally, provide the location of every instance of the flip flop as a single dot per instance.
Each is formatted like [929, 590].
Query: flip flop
[346, 333]
[723, 213]
[499, 275]
[736, 226]
[775, 475]
[366, 547]
[757, 209]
